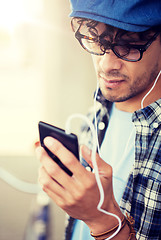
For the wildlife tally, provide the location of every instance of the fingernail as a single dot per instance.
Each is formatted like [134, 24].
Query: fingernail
[49, 141]
[37, 144]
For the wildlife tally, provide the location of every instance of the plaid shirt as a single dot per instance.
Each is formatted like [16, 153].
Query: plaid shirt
[142, 195]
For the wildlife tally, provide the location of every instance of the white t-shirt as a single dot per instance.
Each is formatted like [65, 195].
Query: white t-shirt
[117, 149]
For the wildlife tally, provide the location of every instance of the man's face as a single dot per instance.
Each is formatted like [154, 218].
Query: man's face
[123, 81]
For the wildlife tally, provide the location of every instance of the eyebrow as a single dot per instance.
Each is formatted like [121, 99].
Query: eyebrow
[131, 38]
[123, 37]
[117, 38]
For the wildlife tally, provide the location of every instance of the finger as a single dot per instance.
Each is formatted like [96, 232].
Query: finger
[40, 153]
[52, 168]
[49, 184]
[72, 187]
[66, 157]
[103, 168]
[36, 144]
[87, 155]
[51, 187]
[49, 164]
[57, 193]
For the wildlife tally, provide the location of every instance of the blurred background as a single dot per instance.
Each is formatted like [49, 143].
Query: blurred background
[44, 75]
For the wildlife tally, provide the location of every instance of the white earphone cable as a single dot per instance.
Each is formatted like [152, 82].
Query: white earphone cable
[150, 89]
[96, 146]
[94, 149]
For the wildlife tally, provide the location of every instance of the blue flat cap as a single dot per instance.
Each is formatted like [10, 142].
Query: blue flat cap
[130, 15]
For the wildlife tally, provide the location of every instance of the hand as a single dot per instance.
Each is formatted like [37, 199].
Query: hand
[77, 195]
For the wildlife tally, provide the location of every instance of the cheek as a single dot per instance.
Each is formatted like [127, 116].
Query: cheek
[152, 57]
[141, 69]
[144, 77]
[96, 60]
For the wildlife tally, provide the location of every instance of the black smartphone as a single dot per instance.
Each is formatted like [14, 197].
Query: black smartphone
[70, 141]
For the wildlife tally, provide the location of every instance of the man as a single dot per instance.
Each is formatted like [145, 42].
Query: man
[124, 39]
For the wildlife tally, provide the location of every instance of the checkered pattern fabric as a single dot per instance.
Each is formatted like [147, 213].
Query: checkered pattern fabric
[142, 195]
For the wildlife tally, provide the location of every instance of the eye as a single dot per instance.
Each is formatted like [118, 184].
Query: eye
[122, 50]
[127, 52]
[92, 33]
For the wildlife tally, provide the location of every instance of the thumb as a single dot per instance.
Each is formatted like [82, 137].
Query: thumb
[103, 168]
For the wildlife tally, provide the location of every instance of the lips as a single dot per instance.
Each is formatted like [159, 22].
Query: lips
[114, 83]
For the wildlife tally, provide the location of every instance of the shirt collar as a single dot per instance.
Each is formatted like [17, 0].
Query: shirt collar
[150, 115]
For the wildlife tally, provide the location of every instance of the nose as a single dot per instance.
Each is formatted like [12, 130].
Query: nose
[109, 61]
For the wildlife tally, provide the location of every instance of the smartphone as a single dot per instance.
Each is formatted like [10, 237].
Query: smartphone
[70, 141]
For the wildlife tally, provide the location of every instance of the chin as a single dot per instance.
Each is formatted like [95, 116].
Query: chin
[113, 98]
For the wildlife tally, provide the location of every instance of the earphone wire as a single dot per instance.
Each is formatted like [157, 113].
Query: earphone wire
[95, 147]
[99, 206]
[95, 117]
[142, 101]
[95, 167]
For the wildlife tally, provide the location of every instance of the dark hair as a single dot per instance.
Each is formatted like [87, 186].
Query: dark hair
[110, 30]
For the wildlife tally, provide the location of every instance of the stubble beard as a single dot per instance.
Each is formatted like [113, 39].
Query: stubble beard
[140, 86]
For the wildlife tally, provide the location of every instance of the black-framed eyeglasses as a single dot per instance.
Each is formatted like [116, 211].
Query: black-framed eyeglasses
[97, 45]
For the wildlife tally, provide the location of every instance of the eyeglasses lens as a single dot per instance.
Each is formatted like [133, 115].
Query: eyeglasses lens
[94, 45]
[126, 52]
